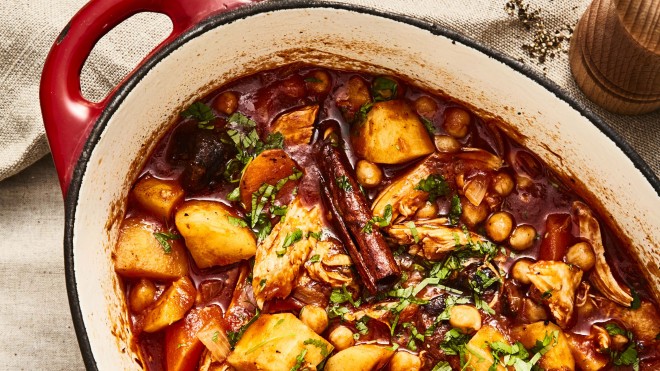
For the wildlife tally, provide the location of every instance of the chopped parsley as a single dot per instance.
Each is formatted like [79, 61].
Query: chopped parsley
[435, 185]
[238, 222]
[442, 366]
[413, 231]
[343, 183]
[456, 210]
[428, 125]
[319, 344]
[299, 360]
[383, 88]
[201, 113]
[361, 325]
[234, 195]
[235, 336]
[381, 221]
[361, 114]
[317, 235]
[340, 296]
[164, 239]
[628, 357]
[289, 240]
[315, 259]
[454, 344]
[257, 218]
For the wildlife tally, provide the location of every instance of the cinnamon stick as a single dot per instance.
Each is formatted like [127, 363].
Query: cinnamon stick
[348, 205]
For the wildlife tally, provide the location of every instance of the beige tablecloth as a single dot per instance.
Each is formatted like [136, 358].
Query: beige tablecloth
[34, 315]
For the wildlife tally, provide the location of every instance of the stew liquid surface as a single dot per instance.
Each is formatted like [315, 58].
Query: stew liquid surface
[304, 219]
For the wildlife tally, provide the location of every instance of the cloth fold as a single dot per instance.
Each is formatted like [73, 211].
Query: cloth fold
[28, 29]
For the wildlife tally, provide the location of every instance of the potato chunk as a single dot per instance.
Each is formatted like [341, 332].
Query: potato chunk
[270, 167]
[392, 133]
[213, 234]
[478, 346]
[274, 341]
[158, 196]
[559, 355]
[364, 357]
[296, 126]
[139, 254]
[171, 306]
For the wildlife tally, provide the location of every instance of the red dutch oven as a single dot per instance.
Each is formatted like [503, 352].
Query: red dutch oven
[99, 148]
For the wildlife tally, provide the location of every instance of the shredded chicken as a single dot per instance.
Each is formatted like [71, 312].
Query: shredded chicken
[644, 322]
[601, 276]
[558, 282]
[332, 267]
[485, 158]
[434, 238]
[402, 195]
[276, 266]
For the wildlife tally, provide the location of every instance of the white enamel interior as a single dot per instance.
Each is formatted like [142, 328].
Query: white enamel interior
[230, 50]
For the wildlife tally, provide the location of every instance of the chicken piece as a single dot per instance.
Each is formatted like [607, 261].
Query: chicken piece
[644, 322]
[601, 276]
[432, 238]
[331, 266]
[558, 282]
[281, 255]
[484, 159]
[296, 126]
[402, 195]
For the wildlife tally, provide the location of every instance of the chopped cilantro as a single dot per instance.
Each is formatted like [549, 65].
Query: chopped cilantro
[234, 195]
[299, 360]
[316, 235]
[238, 222]
[381, 221]
[442, 366]
[361, 325]
[454, 344]
[215, 336]
[383, 88]
[435, 185]
[319, 344]
[456, 210]
[164, 239]
[413, 231]
[315, 258]
[201, 113]
[289, 240]
[339, 296]
[241, 120]
[343, 183]
[428, 125]
[235, 336]
[361, 114]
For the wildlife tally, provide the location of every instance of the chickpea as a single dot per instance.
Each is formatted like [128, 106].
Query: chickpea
[520, 269]
[522, 237]
[314, 317]
[465, 318]
[358, 92]
[341, 338]
[320, 82]
[446, 144]
[368, 174]
[499, 225]
[473, 215]
[404, 361]
[426, 106]
[581, 255]
[457, 122]
[142, 295]
[502, 184]
[226, 102]
[428, 211]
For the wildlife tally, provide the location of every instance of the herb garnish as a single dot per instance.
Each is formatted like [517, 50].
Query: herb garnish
[319, 344]
[235, 336]
[299, 360]
[315, 258]
[456, 210]
[201, 113]
[361, 114]
[413, 231]
[238, 222]
[428, 125]
[383, 88]
[164, 239]
[343, 183]
[435, 185]
[289, 240]
[381, 221]
[628, 357]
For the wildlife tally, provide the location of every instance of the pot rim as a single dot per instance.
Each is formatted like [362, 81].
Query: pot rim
[217, 20]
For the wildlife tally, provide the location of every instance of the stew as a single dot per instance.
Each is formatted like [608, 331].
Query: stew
[303, 219]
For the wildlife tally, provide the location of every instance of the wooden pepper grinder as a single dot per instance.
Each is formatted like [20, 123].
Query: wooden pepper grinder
[615, 55]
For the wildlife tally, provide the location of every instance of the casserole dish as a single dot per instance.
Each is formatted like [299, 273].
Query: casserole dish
[100, 148]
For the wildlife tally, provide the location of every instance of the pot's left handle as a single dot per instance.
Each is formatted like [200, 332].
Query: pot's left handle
[67, 116]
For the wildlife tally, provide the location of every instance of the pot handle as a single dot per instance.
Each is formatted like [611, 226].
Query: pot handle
[68, 117]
